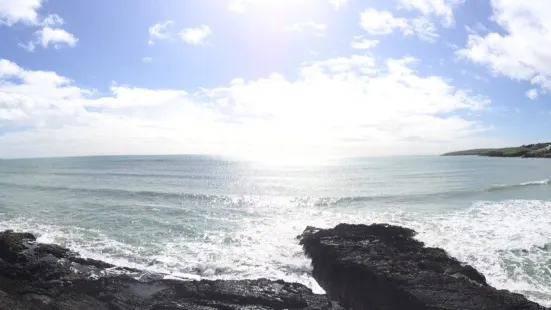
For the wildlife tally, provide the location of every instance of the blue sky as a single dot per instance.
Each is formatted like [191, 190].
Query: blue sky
[267, 78]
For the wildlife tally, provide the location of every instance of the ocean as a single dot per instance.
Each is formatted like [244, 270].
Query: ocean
[194, 217]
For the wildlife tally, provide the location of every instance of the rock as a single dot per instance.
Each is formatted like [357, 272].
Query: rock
[363, 267]
[91, 262]
[384, 267]
[39, 276]
[11, 244]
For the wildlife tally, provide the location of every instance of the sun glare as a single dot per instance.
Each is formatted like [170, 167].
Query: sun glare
[279, 5]
[285, 158]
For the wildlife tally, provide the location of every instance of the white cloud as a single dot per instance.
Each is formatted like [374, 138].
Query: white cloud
[303, 27]
[124, 96]
[532, 94]
[479, 28]
[15, 11]
[56, 37]
[160, 31]
[147, 59]
[48, 36]
[521, 50]
[351, 104]
[364, 44]
[36, 98]
[197, 35]
[26, 11]
[129, 120]
[53, 20]
[453, 46]
[339, 106]
[424, 29]
[442, 9]
[364, 63]
[337, 4]
[382, 22]
[8, 69]
[29, 46]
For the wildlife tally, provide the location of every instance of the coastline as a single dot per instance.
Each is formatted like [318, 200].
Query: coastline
[538, 150]
[361, 267]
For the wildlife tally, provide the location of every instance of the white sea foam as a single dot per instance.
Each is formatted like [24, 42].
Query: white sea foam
[504, 240]
[524, 184]
[542, 182]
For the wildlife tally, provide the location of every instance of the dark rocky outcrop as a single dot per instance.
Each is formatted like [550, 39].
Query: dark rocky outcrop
[384, 267]
[40, 276]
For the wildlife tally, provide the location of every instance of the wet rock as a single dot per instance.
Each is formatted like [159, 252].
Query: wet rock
[91, 262]
[384, 267]
[12, 244]
[39, 276]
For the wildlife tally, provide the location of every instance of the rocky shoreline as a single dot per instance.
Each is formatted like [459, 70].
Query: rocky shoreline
[42, 276]
[361, 267]
[384, 267]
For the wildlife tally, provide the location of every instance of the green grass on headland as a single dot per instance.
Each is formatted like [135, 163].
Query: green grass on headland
[538, 150]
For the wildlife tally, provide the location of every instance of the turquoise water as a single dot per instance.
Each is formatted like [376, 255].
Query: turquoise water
[202, 217]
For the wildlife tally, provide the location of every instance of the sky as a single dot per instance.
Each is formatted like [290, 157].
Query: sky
[272, 78]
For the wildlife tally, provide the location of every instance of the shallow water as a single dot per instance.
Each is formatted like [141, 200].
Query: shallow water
[203, 217]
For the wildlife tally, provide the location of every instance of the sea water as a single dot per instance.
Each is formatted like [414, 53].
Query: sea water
[199, 217]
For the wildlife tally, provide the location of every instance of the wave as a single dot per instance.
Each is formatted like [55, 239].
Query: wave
[238, 199]
[337, 201]
[115, 174]
[520, 185]
[112, 192]
[244, 199]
